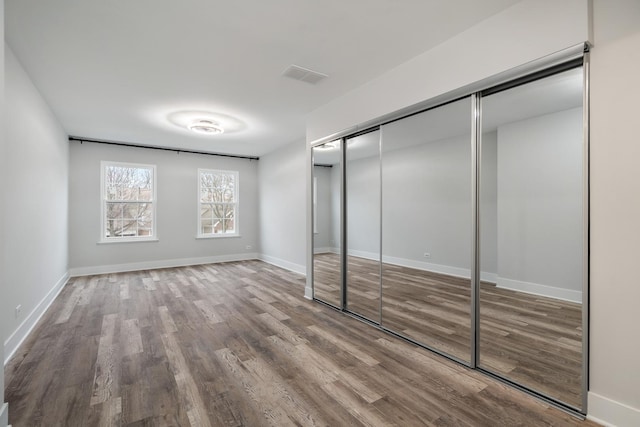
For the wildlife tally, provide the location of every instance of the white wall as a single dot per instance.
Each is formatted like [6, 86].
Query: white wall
[4, 408]
[35, 205]
[176, 211]
[282, 176]
[540, 205]
[615, 213]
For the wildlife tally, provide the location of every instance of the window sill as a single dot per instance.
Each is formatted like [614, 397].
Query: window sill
[218, 236]
[109, 242]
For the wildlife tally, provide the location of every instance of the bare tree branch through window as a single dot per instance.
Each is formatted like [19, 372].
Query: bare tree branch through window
[218, 202]
[128, 199]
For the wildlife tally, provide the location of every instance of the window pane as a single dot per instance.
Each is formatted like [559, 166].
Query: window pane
[114, 210]
[229, 226]
[205, 211]
[218, 202]
[228, 195]
[206, 195]
[128, 197]
[128, 183]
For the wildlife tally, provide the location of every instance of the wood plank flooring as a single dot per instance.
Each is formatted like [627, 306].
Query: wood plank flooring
[236, 344]
[532, 340]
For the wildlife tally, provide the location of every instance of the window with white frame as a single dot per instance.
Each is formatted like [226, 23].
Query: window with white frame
[217, 203]
[128, 201]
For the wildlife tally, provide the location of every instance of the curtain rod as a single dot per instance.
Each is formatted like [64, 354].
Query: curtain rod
[155, 147]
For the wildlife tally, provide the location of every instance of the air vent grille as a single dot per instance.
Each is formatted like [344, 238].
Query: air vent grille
[303, 74]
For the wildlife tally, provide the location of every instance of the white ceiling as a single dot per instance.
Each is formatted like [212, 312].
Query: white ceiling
[129, 71]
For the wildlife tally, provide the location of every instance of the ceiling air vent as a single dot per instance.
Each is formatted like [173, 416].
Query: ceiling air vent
[303, 74]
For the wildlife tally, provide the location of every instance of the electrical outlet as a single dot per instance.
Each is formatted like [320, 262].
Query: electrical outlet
[427, 255]
[248, 247]
[18, 310]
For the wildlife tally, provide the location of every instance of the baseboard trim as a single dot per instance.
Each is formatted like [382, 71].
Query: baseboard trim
[152, 265]
[501, 282]
[308, 293]
[4, 415]
[22, 332]
[426, 266]
[610, 413]
[542, 290]
[287, 265]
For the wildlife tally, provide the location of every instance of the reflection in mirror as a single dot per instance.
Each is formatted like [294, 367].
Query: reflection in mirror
[426, 240]
[363, 224]
[326, 223]
[531, 209]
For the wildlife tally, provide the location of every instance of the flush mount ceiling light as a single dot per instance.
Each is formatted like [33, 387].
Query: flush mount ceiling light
[205, 127]
[203, 123]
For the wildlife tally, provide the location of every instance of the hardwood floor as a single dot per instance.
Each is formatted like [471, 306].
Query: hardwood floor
[532, 340]
[236, 344]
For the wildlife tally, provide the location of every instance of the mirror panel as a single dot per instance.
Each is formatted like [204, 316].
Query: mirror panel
[426, 228]
[532, 227]
[327, 276]
[362, 178]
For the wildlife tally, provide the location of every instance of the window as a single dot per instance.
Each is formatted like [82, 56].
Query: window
[217, 203]
[128, 201]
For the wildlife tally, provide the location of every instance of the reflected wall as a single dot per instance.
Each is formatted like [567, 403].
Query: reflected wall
[530, 311]
[327, 181]
[362, 188]
[426, 228]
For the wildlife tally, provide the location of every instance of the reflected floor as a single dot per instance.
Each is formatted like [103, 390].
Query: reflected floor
[532, 340]
[326, 278]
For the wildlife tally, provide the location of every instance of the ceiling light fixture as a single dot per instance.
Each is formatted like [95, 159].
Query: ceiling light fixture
[205, 127]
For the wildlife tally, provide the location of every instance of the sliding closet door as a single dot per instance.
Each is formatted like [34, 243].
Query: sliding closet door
[532, 228]
[363, 224]
[327, 262]
[426, 228]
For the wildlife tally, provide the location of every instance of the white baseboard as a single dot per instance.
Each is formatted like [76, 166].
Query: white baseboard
[287, 265]
[20, 334]
[364, 254]
[501, 282]
[308, 292]
[465, 273]
[427, 266]
[542, 290]
[611, 413]
[152, 265]
[4, 415]
[322, 250]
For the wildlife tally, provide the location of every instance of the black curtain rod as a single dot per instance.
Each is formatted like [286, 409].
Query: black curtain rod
[155, 147]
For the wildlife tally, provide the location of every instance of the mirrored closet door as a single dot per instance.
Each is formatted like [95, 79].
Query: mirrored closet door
[465, 229]
[532, 233]
[327, 190]
[426, 228]
[362, 186]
